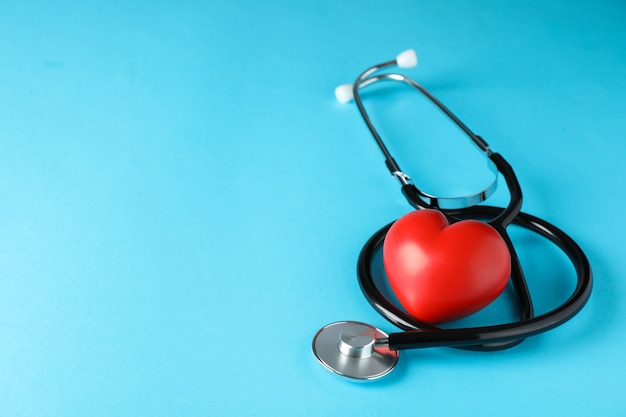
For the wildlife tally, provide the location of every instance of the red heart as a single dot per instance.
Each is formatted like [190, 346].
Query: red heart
[441, 272]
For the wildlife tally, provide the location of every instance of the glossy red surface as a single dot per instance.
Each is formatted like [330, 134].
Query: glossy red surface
[442, 272]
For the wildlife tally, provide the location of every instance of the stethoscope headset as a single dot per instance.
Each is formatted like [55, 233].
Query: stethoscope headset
[363, 352]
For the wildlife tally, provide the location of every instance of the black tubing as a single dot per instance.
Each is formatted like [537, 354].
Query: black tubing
[421, 335]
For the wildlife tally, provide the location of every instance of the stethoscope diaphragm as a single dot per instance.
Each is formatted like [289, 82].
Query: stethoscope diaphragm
[350, 349]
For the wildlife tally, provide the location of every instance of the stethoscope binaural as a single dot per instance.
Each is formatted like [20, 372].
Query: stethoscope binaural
[360, 351]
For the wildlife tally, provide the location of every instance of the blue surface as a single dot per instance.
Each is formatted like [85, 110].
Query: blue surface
[184, 201]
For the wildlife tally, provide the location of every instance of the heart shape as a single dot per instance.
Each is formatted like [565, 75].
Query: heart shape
[441, 272]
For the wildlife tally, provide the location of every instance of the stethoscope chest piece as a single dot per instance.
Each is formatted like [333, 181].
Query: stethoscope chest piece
[350, 349]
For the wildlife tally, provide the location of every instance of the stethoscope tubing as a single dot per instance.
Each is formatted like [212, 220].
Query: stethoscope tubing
[421, 335]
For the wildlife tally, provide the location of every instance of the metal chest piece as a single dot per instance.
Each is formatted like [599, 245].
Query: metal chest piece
[349, 349]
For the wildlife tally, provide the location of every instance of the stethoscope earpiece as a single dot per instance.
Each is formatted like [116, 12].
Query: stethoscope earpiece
[406, 59]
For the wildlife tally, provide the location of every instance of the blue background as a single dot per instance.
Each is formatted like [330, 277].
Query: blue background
[183, 201]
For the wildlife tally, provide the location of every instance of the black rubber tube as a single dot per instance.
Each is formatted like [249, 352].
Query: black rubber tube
[422, 335]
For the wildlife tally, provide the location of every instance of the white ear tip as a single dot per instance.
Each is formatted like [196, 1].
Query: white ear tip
[407, 59]
[344, 93]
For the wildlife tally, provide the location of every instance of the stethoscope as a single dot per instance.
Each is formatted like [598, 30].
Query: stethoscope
[363, 352]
